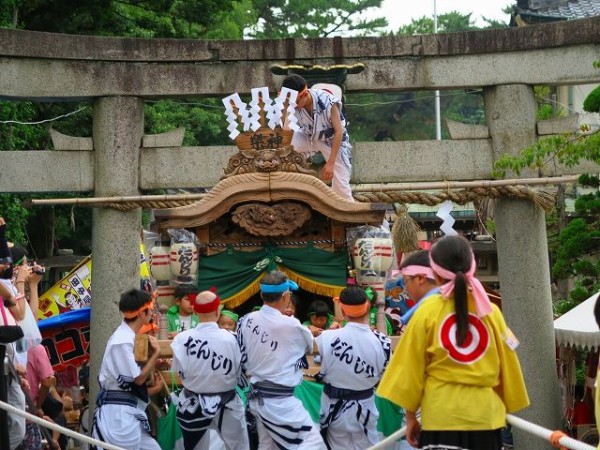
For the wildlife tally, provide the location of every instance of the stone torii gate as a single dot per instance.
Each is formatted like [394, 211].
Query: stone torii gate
[117, 75]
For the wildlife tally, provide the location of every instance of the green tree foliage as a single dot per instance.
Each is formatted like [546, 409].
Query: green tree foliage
[279, 19]
[579, 245]
[203, 121]
[16, 216]
[408, 115]
[48, 228]
[567, 148]
[451, 22]
[411, 115]
[135, 18]
[592, 101]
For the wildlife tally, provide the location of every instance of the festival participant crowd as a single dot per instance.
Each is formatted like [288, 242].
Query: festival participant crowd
[31, 381]
[455, 372]
[461, 391]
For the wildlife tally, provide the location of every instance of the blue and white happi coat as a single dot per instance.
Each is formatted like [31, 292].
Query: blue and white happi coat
[120, 418]
[207, 359]
[274, 348]
[353, 359]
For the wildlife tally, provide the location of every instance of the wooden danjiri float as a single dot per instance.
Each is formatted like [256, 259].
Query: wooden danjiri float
[269, 210]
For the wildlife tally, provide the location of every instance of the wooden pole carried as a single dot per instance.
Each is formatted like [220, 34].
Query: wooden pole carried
[183, 199]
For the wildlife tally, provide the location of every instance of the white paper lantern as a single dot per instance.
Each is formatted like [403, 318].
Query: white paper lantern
[165, 295]
[373, 258]
[184, 259]
[159, 263]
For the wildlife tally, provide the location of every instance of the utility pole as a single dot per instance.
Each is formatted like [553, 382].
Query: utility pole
[438, 117]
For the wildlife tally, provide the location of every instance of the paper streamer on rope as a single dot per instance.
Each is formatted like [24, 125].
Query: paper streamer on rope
[291, 95]
[232, 116]
[258, 95]
[448, 221]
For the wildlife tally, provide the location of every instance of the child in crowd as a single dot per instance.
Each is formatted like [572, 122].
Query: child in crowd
[181, 316]
[290, 309]
[228, 320]
[320, 318]
[461, 357]
[372, 296]
[419, 282]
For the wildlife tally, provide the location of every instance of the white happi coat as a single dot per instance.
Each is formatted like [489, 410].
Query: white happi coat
[354, 358]
[207, 359]
[122, 425]
[274, 348]
[316, 135]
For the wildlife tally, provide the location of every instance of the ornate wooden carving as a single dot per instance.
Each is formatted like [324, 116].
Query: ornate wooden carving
[283, 159]
[269, 187]
[224, 232]
[280, 219]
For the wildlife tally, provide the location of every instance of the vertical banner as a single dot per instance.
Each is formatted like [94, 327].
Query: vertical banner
[71, 292]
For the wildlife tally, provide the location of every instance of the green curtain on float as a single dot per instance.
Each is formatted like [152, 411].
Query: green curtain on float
[236, 274]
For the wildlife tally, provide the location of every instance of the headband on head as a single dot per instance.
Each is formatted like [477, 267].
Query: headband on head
[148, 305]
[482, 301]
[414, 270]
[302, 93]
[287, 285]
[355, 310]
[233, 316]
[209, 307]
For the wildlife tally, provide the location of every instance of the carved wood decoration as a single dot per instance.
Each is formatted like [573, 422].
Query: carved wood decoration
[283, 159]
[269, 187]
[224, 232]
[280, 219]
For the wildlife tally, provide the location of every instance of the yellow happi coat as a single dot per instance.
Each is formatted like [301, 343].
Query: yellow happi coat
[457, 388]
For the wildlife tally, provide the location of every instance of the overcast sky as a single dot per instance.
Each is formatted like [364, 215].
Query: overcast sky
[402, 12]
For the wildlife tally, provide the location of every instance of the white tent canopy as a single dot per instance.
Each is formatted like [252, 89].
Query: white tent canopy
[578, 327]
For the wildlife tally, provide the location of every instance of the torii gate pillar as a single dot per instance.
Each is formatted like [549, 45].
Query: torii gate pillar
[118, 131]
[524, 266]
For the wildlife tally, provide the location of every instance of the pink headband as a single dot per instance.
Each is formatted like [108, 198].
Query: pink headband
[482, 301]
[413, 270]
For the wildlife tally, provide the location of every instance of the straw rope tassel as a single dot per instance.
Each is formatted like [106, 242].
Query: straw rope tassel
[405, 231]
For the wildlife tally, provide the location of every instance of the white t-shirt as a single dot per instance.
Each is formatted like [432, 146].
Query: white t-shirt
[32, 335]
[184, 323]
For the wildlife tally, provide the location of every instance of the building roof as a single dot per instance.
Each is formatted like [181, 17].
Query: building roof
[536, 11]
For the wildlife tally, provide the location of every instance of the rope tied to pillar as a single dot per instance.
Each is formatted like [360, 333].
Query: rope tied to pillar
[403, 193]
[545, 199]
